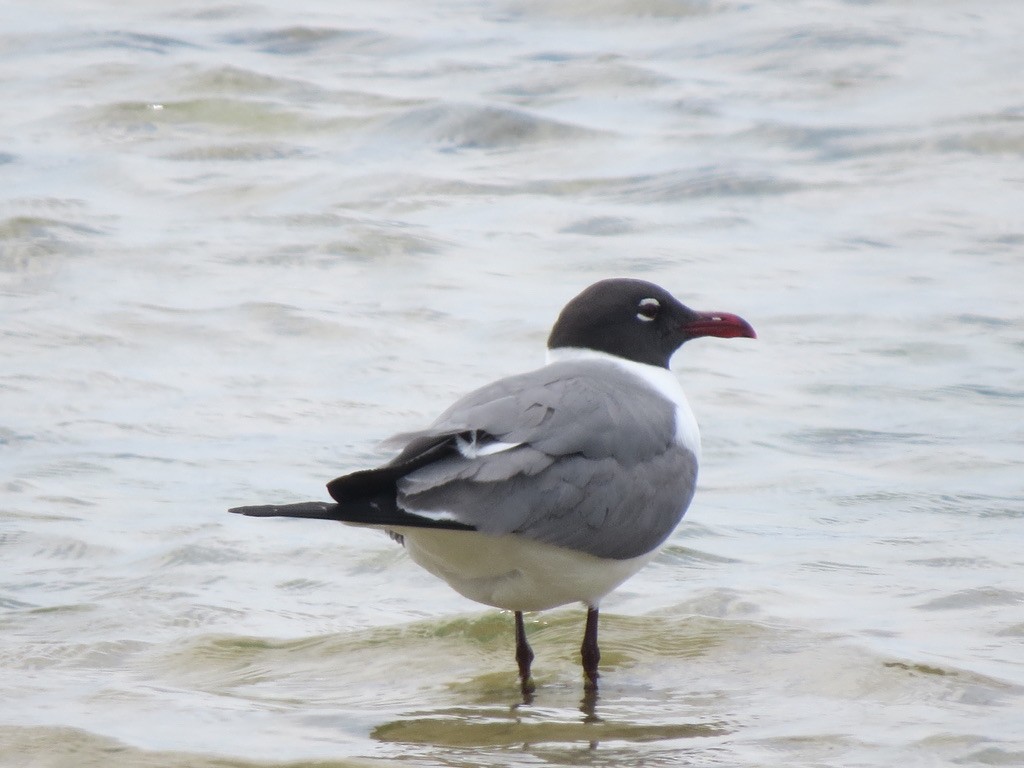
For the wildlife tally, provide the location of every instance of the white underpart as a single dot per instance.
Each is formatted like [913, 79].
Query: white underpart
[516, 573]
[436, 514]
[662, 380]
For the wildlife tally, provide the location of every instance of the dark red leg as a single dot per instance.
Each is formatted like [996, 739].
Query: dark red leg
[590, 652]
[524, 655]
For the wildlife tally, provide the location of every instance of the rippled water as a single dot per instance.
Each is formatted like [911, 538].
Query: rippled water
[240, 243]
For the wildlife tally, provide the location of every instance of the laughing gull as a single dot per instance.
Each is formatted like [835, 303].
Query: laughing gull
[553, 486]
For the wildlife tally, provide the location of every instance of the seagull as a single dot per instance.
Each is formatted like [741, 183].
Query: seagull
[553, 486]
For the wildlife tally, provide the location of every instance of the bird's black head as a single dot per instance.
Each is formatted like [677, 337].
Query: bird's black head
[638, 321]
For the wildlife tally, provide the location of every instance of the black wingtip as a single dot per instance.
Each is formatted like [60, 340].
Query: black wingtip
[318, 510]
[380, 512]
[264, 511]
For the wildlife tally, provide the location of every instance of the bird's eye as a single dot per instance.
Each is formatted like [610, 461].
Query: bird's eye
[648, 309]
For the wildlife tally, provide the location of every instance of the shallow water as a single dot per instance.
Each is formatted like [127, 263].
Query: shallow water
[240, 243]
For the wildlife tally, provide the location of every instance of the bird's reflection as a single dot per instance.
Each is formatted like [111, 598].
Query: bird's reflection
[535, 719]
[588, 706]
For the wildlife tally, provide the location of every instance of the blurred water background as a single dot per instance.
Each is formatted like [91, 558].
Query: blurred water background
[241, 242]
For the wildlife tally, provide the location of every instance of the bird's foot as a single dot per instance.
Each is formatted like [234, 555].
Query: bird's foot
[527, 686]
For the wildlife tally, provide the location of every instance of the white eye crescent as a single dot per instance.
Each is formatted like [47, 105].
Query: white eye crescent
[648, 309]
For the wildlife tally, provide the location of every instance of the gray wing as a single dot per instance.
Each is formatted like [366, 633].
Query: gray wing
[576, 454]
